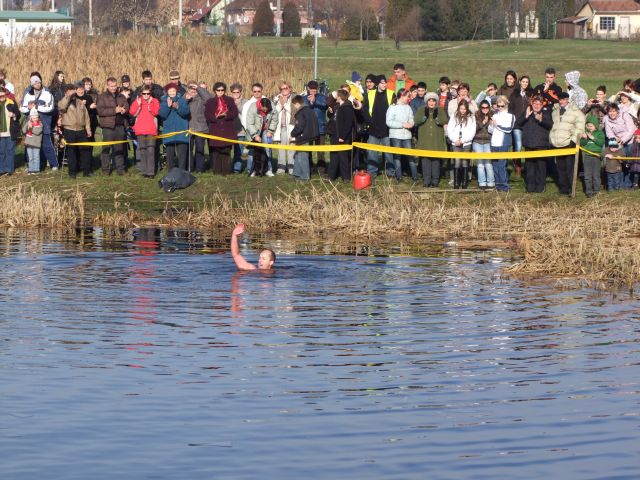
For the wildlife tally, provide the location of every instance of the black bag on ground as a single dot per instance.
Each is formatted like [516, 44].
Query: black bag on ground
[175, 179]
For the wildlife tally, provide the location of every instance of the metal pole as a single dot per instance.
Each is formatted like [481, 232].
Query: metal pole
[179, 17]
[278, 17]
[315, 53]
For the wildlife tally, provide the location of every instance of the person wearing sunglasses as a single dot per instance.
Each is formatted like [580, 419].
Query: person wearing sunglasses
[502, 124]
[461, 130]
[482, 144]
[145, 109]
[221, 112]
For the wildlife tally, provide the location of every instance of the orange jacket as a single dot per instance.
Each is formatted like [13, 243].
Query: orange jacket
[391, 83]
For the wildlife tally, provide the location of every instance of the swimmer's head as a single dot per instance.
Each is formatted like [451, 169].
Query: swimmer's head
[266, 259]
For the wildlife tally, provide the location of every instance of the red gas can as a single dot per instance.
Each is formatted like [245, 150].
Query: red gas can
[361, 180]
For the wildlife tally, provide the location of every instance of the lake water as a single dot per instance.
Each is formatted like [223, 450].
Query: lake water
[144, 354]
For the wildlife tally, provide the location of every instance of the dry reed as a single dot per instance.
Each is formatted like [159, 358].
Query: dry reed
[23, 206]
[196, 56]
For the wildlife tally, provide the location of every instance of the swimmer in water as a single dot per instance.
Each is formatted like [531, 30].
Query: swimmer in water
[265, 261]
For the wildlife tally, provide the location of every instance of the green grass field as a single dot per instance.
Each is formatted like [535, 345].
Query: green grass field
[478, 63]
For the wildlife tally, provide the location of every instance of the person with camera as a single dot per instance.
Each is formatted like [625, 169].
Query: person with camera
[76, 128]
[598, 105]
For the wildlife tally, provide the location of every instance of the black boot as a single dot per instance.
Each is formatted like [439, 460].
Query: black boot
[465, 178]
[456, 178]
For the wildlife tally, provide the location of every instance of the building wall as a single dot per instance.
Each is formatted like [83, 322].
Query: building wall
[15, 32]
[621, 29]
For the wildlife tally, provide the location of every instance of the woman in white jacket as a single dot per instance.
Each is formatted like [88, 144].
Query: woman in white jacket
[282, 111]
[502, 124]
[400, 123]
[461, 130]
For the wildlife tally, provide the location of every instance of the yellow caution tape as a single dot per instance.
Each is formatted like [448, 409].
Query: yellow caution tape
[466, 155]
[622, 159]
[278, 146]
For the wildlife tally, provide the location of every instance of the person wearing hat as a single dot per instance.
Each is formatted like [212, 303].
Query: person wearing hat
[318, 105]
[9, 133]
[592, 140]
[577, 94]
[32, 132]
[174, 78]
[41, 99]
[430, 120]
[568, 126]
[374, 110]
[125, 82]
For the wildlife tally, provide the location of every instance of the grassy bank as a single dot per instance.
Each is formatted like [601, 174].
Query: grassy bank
[596, 240]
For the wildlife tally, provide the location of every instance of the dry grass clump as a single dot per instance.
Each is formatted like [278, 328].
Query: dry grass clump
[23, 206]
[196, 57]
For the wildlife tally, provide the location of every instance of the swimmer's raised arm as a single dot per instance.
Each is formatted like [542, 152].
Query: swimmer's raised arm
[241, 263]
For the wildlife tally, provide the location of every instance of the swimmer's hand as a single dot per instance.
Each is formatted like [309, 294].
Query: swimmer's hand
[239, 230]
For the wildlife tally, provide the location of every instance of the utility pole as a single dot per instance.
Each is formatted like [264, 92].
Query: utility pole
[90, 17]
[53, 5]
[278, 18]
[180, 17]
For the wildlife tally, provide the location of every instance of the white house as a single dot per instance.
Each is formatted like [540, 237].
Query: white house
[15, 25]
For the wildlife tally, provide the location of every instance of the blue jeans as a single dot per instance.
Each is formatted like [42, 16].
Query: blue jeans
[301, 170]
[237, 155]
[614, 181]
[397, 159]
[517, 140]
[7, 155]
[372, 157]
[485, 168]
[500, 170]
[33, 156]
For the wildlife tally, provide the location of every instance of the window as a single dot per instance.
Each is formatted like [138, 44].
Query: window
[607, 23]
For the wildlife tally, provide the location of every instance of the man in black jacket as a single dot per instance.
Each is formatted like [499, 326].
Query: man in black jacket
[536, 124]
[345, 121]
[549, 90]
[305, 130]
[147, 79]
[374, 110]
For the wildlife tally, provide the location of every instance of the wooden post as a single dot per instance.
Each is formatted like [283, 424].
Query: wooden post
[575, 172]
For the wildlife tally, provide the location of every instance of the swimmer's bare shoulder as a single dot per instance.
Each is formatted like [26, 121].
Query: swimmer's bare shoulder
[265, 261]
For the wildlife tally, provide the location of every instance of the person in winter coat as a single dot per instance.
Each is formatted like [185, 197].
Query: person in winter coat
[76, 128]
[305, 130]
[32, 131]
[260, 125]
[518, 103]
[318, 105]
[113, 110]
[221, 113]
[41, 99]
[399, 79]
[510, 84]
[89, 98]
[374, 111]
[619, 126]
[598, 105]
[283, 111]
[634, 152]
[461, 130]
[57, 87]
[400, 122]
[430, 121]
[463, 96]
[9, 133]
[592, 140]
[568, 125]
[577, 95]
[419, 100]
[502, 124]
[197, 97]
[145, 110]
[549, 90]
[175, 114]
[344, 121]
[482, 144]
[535, 124]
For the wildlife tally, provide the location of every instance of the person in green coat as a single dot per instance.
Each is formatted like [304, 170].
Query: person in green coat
[592, 140]
[431, 122]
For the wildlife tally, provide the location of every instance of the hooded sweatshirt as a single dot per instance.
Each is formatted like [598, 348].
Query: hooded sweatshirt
[595, 145]
[577, 95]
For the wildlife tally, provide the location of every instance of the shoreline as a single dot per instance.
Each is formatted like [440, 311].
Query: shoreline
[594, 240]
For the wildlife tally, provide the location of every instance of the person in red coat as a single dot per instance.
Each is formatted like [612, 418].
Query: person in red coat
[145, 110]
[221, 112]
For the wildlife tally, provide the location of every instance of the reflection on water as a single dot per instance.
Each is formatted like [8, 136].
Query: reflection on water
[144, 354]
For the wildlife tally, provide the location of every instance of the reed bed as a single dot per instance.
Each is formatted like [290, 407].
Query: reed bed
[22, 206]
[195, 56]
